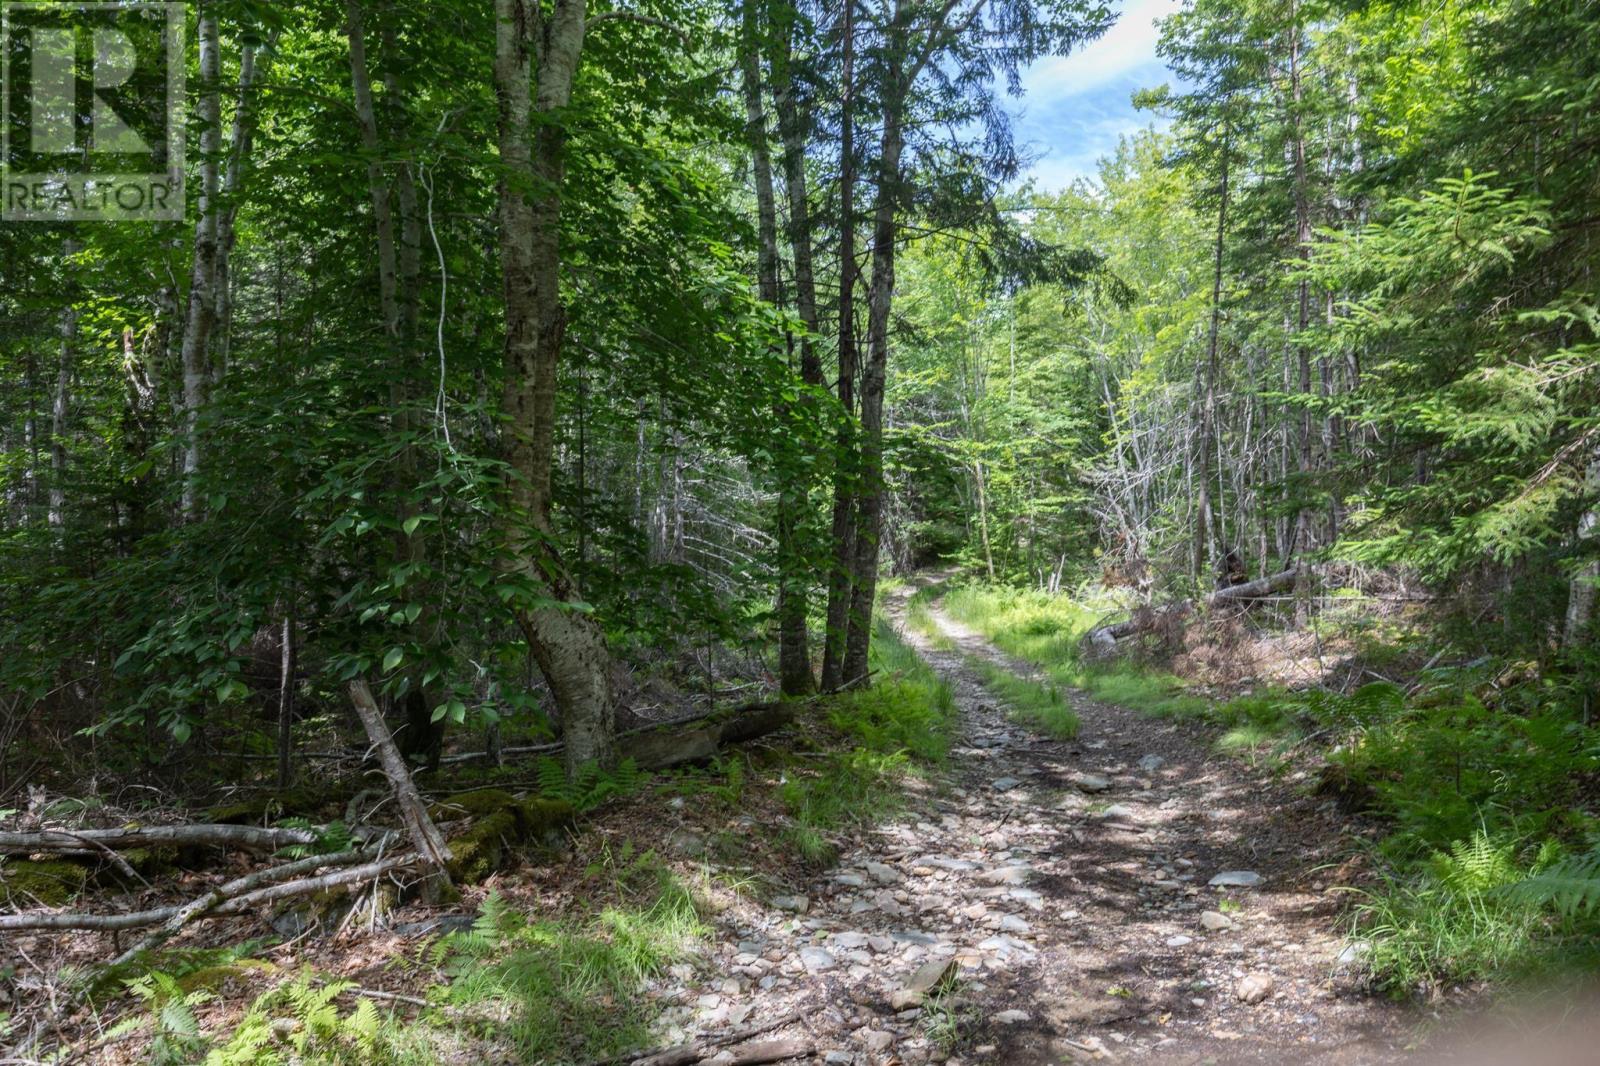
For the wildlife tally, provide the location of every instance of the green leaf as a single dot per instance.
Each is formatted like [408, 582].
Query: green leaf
[393, 658]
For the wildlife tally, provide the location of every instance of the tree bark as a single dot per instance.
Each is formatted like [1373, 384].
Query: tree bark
[567, 642]
[253, 64]
[869, 500]
[60, 408]
[202, 308]
[1205, 534]
[844, 474]
[286, 700]
[425, 836]
[794, 657]
[398, 246]
[234, 897]
[1302, 213]
[1581, 592]
[246, 837]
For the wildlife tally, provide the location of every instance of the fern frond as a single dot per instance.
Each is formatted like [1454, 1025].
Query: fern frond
[1570, 886]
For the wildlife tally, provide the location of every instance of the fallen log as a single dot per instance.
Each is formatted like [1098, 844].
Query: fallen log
[244, 837]
[700, 737]
[233, 897]
[1105, 637]
[672, 744]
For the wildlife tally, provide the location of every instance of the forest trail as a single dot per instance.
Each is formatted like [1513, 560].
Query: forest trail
[1068, 880]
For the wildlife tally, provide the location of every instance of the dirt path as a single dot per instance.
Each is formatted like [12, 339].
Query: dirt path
[1068, 879]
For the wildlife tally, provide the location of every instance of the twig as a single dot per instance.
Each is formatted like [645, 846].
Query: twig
[116, 860]
[700, 1046]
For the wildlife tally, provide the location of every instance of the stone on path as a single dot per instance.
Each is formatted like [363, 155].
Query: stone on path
[797, 904]
[1005, 784]
[1215, 921]
[884, 875]
[929, 978]
[1118, 813]
[876, 1039]
[1179, 941]
[1253, 988]
[1236, 879]
[817, 959]
[1151, 763]
[1090, 782]
[1008, 875]
[1012, 1017]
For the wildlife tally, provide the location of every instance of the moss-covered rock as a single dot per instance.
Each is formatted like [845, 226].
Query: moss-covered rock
[309, 801]
[477, 803]
[212, 978]
[51, 882]
[497, 822]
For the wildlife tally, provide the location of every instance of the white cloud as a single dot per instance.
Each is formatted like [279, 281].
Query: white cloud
[1076, 107]
[1127, 46]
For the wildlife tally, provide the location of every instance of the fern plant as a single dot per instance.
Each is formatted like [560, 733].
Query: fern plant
[1570, 886]
[178, 1038]
[333, 837]
[300, 1022]
[593, 785]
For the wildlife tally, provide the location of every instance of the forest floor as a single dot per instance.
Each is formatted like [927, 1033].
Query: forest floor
[1069, 881]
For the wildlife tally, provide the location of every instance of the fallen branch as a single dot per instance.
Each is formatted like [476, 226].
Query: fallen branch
[645, 744]
[1106, 637]
[660, 747]
[425, 836]
[233, 897]
[245, 837]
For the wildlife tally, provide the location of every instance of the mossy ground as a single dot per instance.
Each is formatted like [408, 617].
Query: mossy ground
[27, 883]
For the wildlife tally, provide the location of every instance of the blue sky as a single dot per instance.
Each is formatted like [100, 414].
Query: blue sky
[1076, 107]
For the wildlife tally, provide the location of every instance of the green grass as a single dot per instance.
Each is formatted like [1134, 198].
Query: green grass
[1039, 705]
[1467, 914]
[563, 989]
[891, 731]
[1046, 630]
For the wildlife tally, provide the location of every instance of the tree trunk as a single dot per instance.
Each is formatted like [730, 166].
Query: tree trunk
[567, 643]
[286, 700]
[1302, 214]
[794, 657]
[60, 408]
[1205, 535]
[252, 68]
[844, 474]
[869, 501]
[1581, 594]
[202, 309]
[793, 129]
[398, 270]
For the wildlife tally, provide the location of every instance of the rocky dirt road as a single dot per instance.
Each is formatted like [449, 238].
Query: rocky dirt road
[1127, 895]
